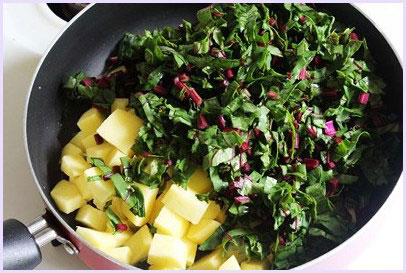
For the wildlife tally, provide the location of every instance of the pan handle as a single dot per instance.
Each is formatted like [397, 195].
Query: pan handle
[21, 243]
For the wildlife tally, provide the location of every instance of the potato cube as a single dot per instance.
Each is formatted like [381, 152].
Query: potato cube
[149, 200]
[169, 223]
[191, 249]
[158, 205]
[200, 182]
[121, 129]
[132, 111]
[203, 230]
[77, 139]
[90, 121]
[123, 254]
[213, 210]
[92, 217]
[83, 186]
[255, 265]
[185, 203]
[211, 261]
[116, 207]
[102, 191]
[162, 267]
[140, 243]
[230, 264]
[113, 159]
[119, 103]
[167, 250]
[89, 141]
[222, 215]
[103, 240]
[71, 149]
[100, 151]
[73, 165]
[67, 197]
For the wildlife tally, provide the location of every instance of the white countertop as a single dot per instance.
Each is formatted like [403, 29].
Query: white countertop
[26, 37]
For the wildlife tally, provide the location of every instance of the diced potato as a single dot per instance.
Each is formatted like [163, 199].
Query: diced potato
[131, 111]
[185, 203]
[67, 196]
[170, 223]
[211, 261]
[102, 191]
[89, 141]
[167, 250]
[158, 205]
[73, 165]
[255, 265]
[119, 103]
[191, 249]
[77, 139]
[149, 200]
[222, 215]
[90, 121]
[123, 254]
[162, 267]
[140, 243]
[121, 129]
[92, 217]
[103, 240]
[113, 159]
[116, 207]
[71, 149]
[83, 186]
[100, 151]
[200, 182]
[213, 210]
[230, 264]
[203, 230]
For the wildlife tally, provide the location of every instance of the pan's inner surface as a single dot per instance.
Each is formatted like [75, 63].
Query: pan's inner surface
[90, 39]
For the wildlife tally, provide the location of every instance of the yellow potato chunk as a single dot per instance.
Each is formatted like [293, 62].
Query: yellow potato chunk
[116, 207]
[83, 186]
[203, 230]
[103, 240]
[92, 217]
[123, 254]
[167, 250]
[230, 264]
[213, 210]
[73, 165]
[149, 200]
[77, 139]
[131, 111]
[100, 151]
[90, 121]
[185, 203]
[140, 243]
[71, 149]
[191, 249]
[120, 129]
[89, 141]
[67, 197]
[162, 267]
[222, 215]
[170, 223]
[255, 265]
[158, 205]
[211, 261]
[113, 158]
[102, 191]
[200, 182]
[119, 103]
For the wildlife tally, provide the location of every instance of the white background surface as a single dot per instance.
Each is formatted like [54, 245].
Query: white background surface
[29, 29]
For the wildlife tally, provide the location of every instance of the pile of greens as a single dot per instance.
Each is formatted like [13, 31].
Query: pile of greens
[280, 105]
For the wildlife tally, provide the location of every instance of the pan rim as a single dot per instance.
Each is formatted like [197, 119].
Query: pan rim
[127, 266]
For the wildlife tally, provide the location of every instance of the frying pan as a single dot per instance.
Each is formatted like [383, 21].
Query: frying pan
[85, 44]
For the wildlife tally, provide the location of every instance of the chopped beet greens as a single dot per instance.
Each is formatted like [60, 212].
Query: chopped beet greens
[278, 103]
